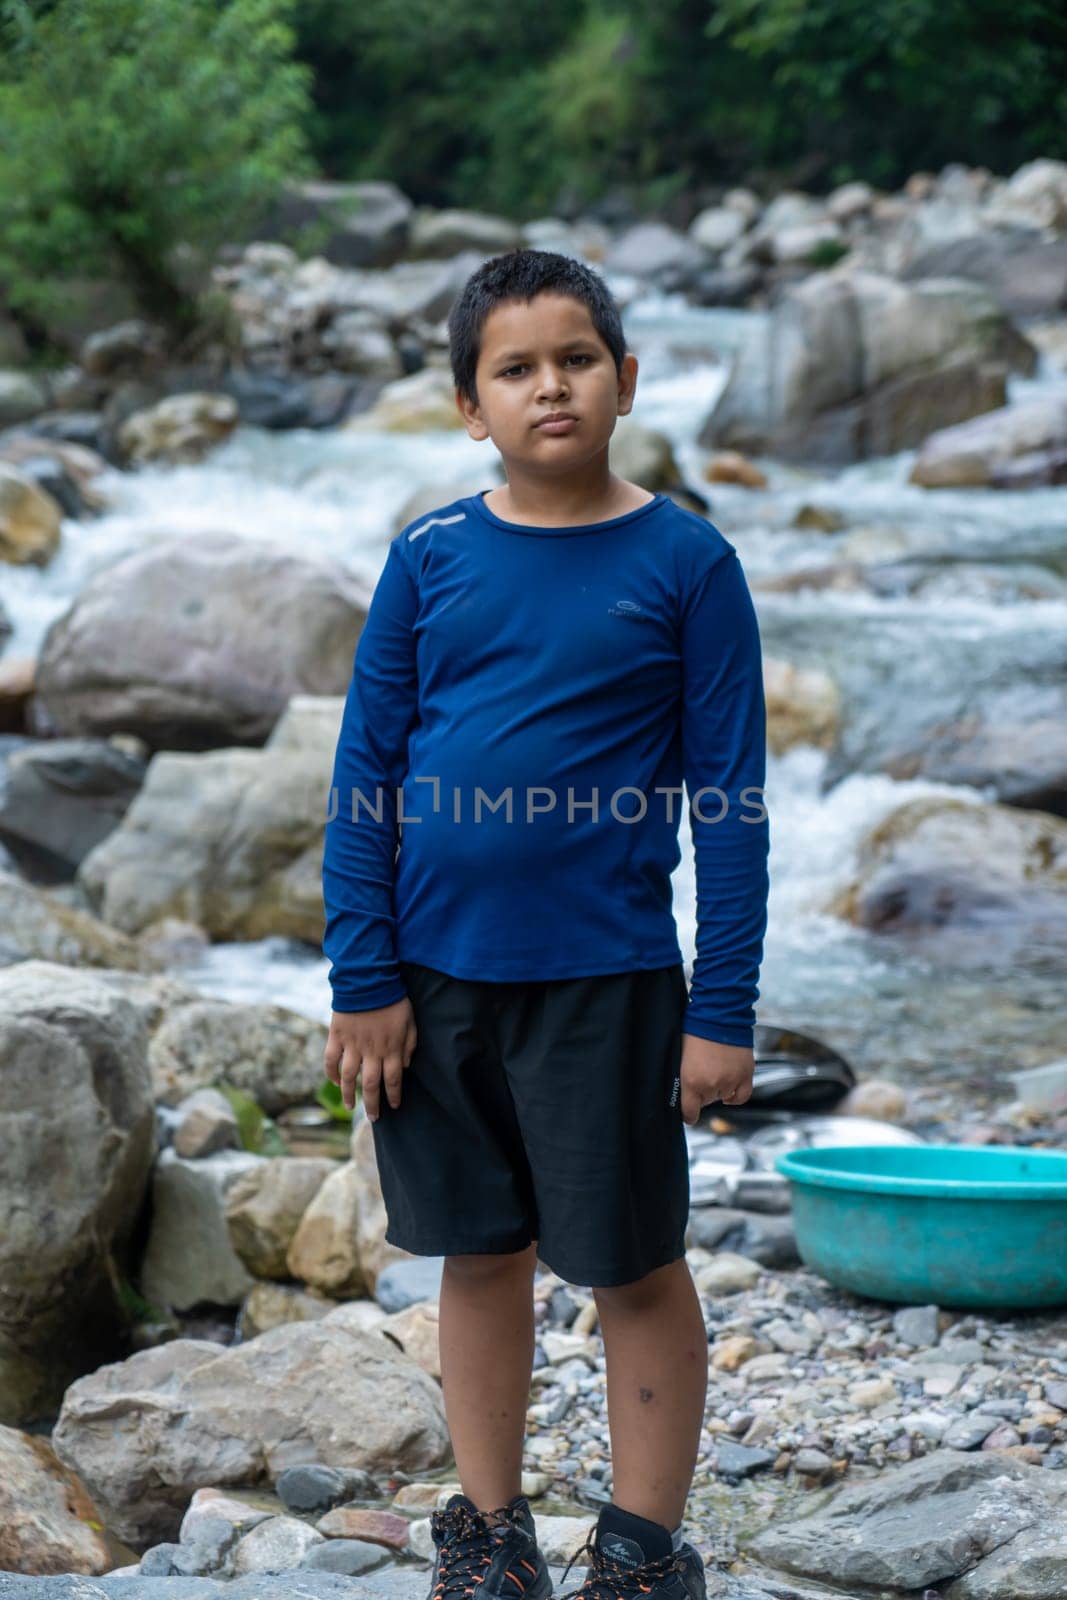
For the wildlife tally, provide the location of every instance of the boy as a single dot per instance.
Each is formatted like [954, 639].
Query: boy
[540, 667]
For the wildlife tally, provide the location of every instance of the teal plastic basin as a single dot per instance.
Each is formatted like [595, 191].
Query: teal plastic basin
[951, 1225]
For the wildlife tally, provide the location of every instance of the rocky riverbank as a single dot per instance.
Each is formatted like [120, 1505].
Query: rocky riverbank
[201, 1325]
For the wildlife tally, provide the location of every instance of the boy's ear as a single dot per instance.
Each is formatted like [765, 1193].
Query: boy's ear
[627, 383]
[471, 420]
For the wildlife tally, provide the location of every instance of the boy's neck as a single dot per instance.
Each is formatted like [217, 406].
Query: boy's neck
[565, 502]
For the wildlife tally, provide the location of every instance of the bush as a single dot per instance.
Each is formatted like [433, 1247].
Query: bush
[138, 136]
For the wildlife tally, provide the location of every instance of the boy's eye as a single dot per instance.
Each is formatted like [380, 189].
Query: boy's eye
[579, 356]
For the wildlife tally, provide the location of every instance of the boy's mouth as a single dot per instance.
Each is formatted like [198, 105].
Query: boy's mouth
[557, 422]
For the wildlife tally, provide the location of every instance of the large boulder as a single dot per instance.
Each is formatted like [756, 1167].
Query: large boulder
[446, 233]
[964, 873]
[267, 1052]
[48, 1523]
[354, 224]
[77, 1137]
[230, 839]
[948, 1515]
[1025, 272]
[196, 644]
[851, 364]
[37, 926]
[60, 797]
[145, 1433]
[1027, 439]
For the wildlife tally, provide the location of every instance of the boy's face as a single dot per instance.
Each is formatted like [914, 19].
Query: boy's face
[540, 357]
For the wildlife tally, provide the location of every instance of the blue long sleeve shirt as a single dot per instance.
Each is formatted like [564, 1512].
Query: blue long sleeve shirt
[525, 706]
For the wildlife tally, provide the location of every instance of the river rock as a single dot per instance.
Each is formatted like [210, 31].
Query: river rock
[230, 840]
[375, 1253]
[716, 228]
[1025, 272]
[61, 797]
[803, 705]
[944, 867]
[324, 1252]
[417, 1332]
[198, 643]
[77, 1135]
[60, 467]
[125, 350]
[264, 1208]
[48, 1523]
[850, 364]
[181, 428]
[657, 253]
[275, 1546]
[424, 400]
[189, 1260]
[206, 1122]
[364, 224]
[144, 1433]
[270, 1053]
[930, 1520]
[269, 1305]
[978, 453]
[445, 233]
[644, 456]
[29, 520]
[21, 396]
[35, 925]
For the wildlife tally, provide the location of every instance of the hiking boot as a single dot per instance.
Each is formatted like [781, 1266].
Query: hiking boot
[487, 1560]
[631, 1558]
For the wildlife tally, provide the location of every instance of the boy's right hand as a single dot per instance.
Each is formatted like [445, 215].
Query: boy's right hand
[382, 1042]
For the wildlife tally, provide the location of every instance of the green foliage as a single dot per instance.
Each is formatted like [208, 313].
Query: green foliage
[139, 135]
[516, 108]
[328, 1096]
[257, 1132]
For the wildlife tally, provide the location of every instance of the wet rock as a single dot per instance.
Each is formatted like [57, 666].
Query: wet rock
[190, 1414]
[803, 706]
[940, 865]
[29, 520]
[445, 233]
[973, 453]
[77, 1136]
[181, 428]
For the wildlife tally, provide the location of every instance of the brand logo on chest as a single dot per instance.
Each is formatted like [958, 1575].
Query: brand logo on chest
[628, 608]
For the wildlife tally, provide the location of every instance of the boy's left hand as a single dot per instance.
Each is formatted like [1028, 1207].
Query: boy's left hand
[712, 1071]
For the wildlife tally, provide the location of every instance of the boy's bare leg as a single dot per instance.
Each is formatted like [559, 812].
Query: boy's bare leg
[487, 1346]
[656, 1353]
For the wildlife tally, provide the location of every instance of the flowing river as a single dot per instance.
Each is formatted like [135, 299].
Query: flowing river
[991, 618]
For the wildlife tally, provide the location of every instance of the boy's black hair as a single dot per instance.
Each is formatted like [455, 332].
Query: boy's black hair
[519, 275]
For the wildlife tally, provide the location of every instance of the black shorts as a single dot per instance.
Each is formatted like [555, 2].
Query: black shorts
[544, 1110]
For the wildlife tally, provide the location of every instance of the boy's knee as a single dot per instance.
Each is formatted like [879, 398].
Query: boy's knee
[487, 1267]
